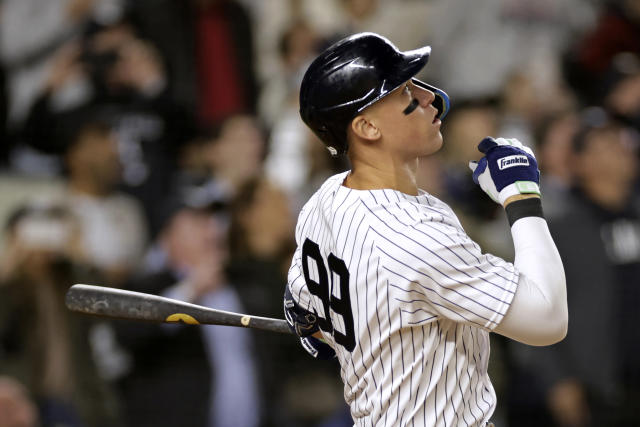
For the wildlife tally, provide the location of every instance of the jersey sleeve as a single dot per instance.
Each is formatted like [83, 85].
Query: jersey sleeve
[436, 271]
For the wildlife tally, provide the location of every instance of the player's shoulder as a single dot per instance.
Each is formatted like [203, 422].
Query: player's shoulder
[319, 201]
[329, 186]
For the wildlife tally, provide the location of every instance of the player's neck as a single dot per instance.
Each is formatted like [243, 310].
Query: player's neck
[373, 176]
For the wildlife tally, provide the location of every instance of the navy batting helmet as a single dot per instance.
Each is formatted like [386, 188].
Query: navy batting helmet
[351, 75]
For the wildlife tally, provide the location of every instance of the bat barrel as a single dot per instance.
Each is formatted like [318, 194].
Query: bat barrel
[116, 303]
[121, 304]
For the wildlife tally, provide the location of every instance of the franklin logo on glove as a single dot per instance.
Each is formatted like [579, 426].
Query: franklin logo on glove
[510, 161]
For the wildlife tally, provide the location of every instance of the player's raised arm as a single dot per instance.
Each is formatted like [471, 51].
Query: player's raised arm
[509, 174]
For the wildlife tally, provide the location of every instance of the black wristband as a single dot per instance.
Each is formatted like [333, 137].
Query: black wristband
[524, 208]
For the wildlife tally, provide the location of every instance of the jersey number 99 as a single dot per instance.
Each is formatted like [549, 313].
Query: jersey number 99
[323, 290]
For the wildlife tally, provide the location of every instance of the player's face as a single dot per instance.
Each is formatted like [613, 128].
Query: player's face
[407, 119]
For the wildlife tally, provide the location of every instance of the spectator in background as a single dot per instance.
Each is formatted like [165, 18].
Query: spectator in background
[42, 344]
[299, 179]
[555, 138]
[209, 50]
[520, 108]
[593, 377]
[153, 18]
[220, 161]
[30, 32]
[408, 23]
[16, 406]
[359, 10]
[622, 96]
[617, 30]
[234, 153]
[524, 106]
[114, 70]
[297, 46]
[289, 159]
[114, 232]
[183, 375]
[4, 137]
[260, 243]
[224, 60]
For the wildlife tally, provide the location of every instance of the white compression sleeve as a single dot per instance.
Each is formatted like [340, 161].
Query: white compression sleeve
[538, 312]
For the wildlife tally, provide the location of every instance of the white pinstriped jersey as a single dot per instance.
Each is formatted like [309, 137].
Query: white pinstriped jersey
[411, 300]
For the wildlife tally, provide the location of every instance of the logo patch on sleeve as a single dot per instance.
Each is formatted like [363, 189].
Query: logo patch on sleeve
[511, 161]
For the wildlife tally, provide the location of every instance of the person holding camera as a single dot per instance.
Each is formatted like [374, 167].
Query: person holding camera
[42, 345]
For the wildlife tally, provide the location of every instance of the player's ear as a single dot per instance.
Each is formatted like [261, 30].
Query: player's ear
[364, 128]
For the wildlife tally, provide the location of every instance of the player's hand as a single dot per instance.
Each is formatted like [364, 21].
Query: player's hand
[318, 348]
[507, 169]
[305, 324]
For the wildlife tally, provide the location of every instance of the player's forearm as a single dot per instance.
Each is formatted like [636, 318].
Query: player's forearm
[537, 257]
[509, 174]
[538, 313]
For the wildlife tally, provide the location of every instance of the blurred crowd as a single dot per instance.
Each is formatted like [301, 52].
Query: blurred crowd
[155, 146]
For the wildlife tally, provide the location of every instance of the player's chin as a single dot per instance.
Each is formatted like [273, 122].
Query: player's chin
[434, 144]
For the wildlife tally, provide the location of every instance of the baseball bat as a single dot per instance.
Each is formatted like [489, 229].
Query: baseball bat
[120, 304]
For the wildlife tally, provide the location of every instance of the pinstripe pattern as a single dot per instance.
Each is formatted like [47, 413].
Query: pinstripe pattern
[423, 298]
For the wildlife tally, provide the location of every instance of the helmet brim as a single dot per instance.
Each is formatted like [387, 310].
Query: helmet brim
[441, 102]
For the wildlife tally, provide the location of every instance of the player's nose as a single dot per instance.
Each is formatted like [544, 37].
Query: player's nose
[425, 96]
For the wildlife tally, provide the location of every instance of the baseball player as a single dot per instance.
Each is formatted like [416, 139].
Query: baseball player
[384, 276]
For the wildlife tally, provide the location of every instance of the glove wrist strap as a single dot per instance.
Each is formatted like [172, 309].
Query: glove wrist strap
[518, 187]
